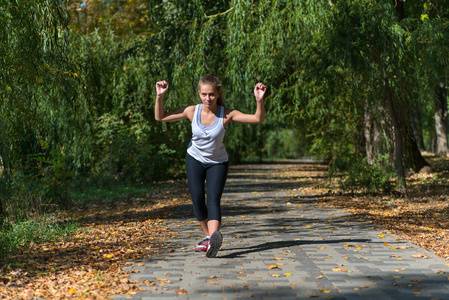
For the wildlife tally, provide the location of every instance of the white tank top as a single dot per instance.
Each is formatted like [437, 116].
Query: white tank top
[207, 145]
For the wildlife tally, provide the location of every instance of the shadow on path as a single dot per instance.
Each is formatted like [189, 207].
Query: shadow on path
[284, 244]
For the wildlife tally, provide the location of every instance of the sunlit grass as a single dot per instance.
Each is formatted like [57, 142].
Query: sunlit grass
[43, 228]
[110, 192]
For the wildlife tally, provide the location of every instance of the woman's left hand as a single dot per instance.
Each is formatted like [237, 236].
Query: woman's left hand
[259, 91]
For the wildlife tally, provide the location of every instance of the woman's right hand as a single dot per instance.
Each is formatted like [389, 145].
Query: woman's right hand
[161, 87]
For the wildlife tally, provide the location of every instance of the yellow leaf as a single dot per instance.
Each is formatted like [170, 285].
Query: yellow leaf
[394, 248]
[72, 291]
[326, 292]
[275, 275]
[288, 274]
[272, 267]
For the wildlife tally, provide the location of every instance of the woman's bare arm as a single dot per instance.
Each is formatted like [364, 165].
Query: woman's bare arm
[256, 118]
[159, 112]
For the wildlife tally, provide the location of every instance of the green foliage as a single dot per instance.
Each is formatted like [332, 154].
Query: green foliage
[77, 101]
[286, 143]
[361, 176]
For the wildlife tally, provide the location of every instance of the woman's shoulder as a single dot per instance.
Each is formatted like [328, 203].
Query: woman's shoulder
[188, 111]
[229, 111]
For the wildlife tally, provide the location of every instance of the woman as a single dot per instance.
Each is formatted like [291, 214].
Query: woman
[206, 158]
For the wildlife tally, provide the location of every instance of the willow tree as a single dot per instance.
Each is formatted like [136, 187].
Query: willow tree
[37, 88]
[432, 62]
[334, 65]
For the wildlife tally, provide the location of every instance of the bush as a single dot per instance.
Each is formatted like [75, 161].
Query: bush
[371, 178]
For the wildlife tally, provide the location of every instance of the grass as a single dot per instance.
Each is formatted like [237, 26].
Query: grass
[44, 228]
[120, 190]
[108, 190]
[53, 226]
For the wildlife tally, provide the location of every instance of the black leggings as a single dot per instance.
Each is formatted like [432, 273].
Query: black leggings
[215, 176]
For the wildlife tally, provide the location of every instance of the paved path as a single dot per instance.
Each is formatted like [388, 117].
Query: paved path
[279, 243]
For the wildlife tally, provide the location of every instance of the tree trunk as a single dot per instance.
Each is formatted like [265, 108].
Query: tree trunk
[398, 140]
[3, 172]
[418, 163]
[371, 135]
[441, 121]
[417, 129]
[400, 9]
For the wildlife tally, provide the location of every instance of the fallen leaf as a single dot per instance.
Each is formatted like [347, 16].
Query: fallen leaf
[336, 269]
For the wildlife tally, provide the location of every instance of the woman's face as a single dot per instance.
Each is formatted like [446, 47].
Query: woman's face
[208, 94]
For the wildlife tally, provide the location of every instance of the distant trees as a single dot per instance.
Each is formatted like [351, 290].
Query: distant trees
[362, 83]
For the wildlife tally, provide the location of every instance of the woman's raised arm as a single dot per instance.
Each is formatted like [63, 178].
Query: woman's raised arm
[159, 113]
[258, 116]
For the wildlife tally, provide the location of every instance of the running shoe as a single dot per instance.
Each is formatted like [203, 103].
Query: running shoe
[202, 246]
[215, 243]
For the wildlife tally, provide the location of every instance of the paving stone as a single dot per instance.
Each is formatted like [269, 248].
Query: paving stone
[304, 238]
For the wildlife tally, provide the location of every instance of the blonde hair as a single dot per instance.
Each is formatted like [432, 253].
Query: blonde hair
[213, 80]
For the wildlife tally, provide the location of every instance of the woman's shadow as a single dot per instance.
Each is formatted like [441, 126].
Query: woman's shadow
[282, 244]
